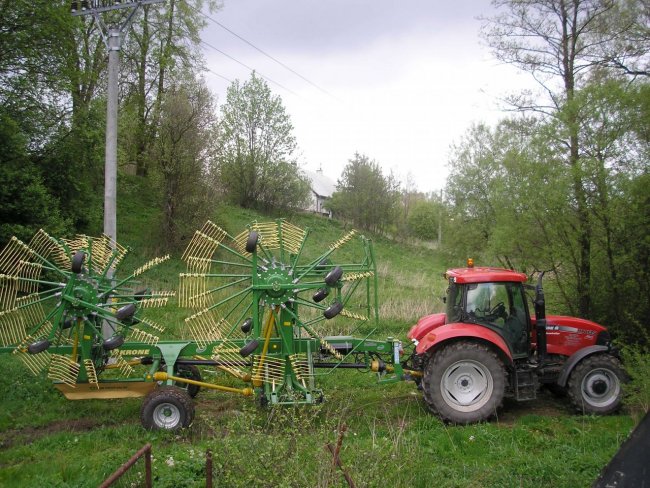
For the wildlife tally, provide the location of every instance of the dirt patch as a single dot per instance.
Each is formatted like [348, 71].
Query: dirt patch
[28, 435]
[546, 405]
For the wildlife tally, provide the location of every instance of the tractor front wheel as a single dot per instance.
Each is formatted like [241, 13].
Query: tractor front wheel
[167, 407]
[464, 383]
[595, 385]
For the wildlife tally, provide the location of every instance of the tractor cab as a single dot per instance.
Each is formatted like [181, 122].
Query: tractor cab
[493, 298]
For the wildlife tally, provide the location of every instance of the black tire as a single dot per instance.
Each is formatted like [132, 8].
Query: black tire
[320, 295]
[333, 276]
[247, 325]
[38, 346]
[191, 372]
[333, 310]
[464, 383]
[141, 293]
[167, 407]
[248, 349]
[595, 385]
[78, 262]
[251, 242]
[113, 342]
[262, 400]
[126, 312]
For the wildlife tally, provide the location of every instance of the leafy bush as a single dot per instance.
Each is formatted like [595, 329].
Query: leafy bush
[423, 220]
[637, 364]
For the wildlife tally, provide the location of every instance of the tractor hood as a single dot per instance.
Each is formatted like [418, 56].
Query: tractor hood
[571, 324]
[425, 325]
[565, 335]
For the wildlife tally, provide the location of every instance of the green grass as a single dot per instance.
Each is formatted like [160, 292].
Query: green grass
[391, 439]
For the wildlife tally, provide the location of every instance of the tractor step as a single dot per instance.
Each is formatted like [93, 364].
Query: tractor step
[526, 384]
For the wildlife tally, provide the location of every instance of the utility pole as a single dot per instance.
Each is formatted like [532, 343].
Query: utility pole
[112, 35]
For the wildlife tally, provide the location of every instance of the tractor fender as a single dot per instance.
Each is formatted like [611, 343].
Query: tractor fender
[426, 324]
[575, 358]
[460, 330]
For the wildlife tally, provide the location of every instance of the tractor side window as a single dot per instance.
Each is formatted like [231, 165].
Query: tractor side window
[454, 303]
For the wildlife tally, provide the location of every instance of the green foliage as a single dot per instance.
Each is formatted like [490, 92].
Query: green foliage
[31, 54]
[365, 196]
[179, 152]
[255, 161]
[637, 365]
[72, 164]
[25, 203]
[423, 220]
[631, 250]
[161, 49]
[583, 105]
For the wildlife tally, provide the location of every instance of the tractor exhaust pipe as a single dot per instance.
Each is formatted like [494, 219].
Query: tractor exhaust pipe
[540, 316]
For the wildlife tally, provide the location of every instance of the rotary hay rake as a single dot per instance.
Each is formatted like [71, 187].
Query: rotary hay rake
[261, 304]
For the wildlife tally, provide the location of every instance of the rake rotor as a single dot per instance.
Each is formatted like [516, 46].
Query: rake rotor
[64, 310]
[269, 302]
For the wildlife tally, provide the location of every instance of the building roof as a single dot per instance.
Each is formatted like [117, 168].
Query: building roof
[321, 185]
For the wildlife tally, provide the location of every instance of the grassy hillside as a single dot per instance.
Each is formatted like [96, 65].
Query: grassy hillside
[391, 439]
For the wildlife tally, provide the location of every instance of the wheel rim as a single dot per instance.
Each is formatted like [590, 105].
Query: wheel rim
[166, 416]
[600, 387]
[466, 385]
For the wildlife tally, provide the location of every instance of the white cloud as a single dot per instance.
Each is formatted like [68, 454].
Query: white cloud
[402, 90]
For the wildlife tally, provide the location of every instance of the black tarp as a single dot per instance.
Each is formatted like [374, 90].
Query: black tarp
[630, 466]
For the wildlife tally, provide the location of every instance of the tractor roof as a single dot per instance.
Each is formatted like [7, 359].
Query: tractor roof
[484, 275]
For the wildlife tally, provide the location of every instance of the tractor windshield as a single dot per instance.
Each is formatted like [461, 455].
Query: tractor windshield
[500, 305]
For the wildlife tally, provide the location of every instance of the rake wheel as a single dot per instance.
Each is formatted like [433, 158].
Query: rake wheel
[63, 306]
[262, 302]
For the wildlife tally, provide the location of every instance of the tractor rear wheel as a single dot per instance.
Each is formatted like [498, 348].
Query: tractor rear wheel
[167, 407]
[595, 385]
[464, 382]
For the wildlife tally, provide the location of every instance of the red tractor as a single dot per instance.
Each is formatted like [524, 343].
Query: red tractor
[487, 346]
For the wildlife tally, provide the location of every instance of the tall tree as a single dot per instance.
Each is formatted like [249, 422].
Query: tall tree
[181, 150]
[558, 42]
[365, 196]
[164, 40]
[256, 165]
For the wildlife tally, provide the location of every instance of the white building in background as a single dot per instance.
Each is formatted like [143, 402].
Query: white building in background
[322, 189]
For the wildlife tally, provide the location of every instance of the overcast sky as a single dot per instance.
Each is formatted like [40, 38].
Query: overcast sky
[396, 80]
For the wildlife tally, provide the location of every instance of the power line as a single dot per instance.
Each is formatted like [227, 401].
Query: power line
[262, 51]
[219, 75]
[249, 68]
